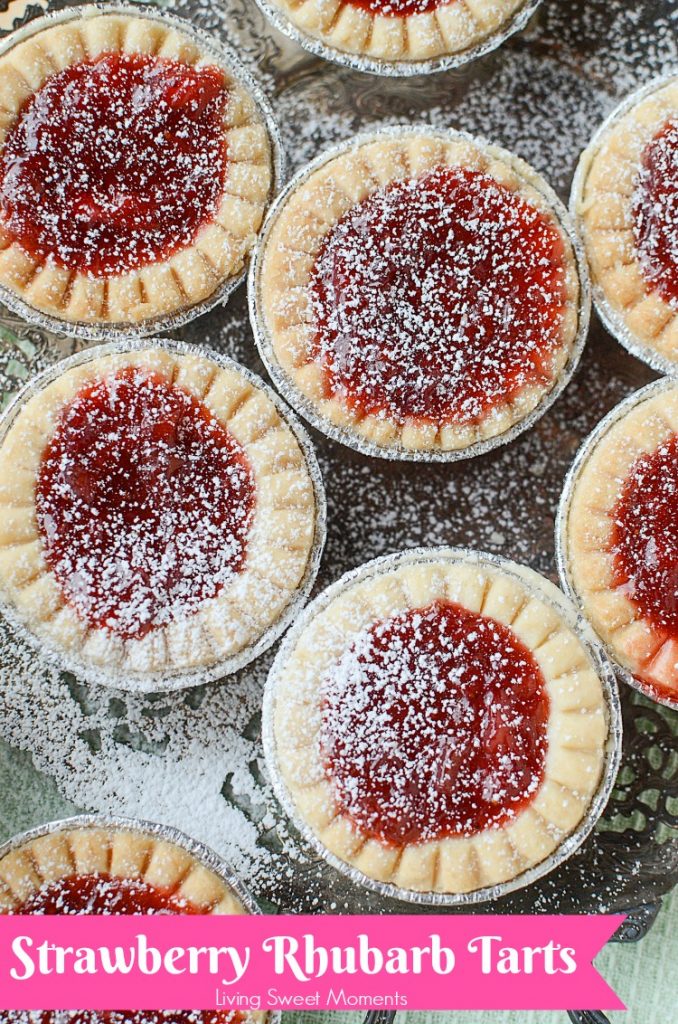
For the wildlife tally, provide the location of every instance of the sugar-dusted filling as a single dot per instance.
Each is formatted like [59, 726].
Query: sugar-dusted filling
[645, 537]
[103, 894]
[115, 163]
[655, 213]
[439, 297]
[108, 894]
[434, 724]
[144, 502]
[399, 8]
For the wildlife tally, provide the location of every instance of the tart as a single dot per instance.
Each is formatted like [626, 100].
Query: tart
[134, 170]
[627, 204]
[435, 724]
[620, 537]
[158, 514]
[390, 34]
[82, 866]
[418, 292]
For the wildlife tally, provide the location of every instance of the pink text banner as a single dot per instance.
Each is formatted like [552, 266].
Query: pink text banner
[318, 963]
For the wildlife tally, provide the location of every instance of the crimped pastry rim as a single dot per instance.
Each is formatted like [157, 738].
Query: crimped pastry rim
[202, 853]
[168, 680]
[563, 561]
[397, 68]
[613, 321]
[548, 592]
[224, 56]
[307, 409]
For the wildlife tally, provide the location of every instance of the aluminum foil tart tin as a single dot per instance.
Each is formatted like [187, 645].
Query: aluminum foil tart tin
[609, 316]
[202, 853]
[179, 680]
[562, 518]
[348, 437]
[396, 68]
[545, 591]
[224, 57]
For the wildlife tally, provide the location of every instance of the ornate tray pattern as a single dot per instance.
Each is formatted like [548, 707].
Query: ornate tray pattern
[194, 760]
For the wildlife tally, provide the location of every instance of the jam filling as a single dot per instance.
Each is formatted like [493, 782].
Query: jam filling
[434, 725]
[115, 163]
[104, 894]
[107, 894]
[645, 537]
[655, 213]
[399, 8]
[438, 298]
[144, 502]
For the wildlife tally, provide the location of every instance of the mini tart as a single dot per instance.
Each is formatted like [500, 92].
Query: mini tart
[401, 31]
[104, 869]
[83, 256]
[389, 366]
[627, 208]
[422, 763]
[171, 547]
[620, 530]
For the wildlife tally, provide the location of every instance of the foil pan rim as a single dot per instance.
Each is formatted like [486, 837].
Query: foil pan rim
[396, 68]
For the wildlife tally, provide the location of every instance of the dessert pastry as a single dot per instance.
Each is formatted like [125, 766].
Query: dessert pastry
[418, 292]
[83, 866]
[134, 170]
[436, 724]
[620, 537]
[158, 514]
[626, 199]
[389, 35]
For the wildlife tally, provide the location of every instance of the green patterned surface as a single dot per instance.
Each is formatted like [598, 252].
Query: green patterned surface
[643, 974]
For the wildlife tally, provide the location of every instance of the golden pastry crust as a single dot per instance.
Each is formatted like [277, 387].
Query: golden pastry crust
[609, 171]
[222, 245]
[577, 728]
[279, 543]
[451, 28]
[634, 642]
[297, 234]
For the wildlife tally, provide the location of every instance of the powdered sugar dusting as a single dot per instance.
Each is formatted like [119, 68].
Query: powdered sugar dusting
[434, 724]
[115, 163]
[644, 541]
[438, 298]
[655, 212]
[144, 503]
